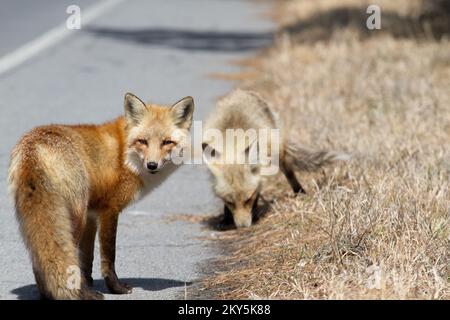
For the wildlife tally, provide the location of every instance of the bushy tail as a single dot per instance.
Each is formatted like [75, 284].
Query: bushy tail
[46, 227]
[46, 233]
[305, 160]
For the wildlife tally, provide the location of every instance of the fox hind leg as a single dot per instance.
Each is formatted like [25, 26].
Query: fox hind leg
[292, 179]
[87, 244]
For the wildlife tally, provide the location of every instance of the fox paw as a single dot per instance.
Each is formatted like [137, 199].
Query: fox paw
[117, 287]
[92, 295]
[89, 280]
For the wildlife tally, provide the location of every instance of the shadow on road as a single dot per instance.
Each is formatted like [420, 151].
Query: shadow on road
[428, 24]
[30, 292]
[188, 39]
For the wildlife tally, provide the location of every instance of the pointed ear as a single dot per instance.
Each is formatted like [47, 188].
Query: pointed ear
[182, 112]
[252, 156]
[251, 152]
[209, 153]
[135, 109]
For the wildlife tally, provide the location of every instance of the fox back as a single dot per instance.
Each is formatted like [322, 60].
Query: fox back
[239, 184]
[59, 172]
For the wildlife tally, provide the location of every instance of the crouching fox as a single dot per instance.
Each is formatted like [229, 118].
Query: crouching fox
[239, 184]
[67, 179]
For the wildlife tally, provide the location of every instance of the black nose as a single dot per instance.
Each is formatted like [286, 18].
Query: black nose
[152, 166]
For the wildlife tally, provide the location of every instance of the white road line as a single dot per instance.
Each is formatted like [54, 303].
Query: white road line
[51, 37]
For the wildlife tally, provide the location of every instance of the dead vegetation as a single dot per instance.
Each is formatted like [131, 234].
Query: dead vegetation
[378, 226]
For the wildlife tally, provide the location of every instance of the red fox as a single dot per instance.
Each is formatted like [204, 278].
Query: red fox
[239, 184]
[66, 179]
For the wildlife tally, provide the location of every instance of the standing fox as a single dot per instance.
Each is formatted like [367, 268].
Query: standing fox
[64, 179]
[239, 184]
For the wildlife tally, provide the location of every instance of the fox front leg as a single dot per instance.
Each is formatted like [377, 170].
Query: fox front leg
[227, 216]
[108, 230]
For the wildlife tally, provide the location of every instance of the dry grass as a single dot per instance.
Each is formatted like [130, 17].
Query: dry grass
[378, 226]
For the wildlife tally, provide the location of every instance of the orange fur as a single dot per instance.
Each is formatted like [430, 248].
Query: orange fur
[59, 173]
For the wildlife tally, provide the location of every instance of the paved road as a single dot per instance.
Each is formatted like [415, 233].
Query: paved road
[160, 50]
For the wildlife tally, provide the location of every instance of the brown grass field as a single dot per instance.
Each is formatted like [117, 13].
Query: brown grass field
[376, 227]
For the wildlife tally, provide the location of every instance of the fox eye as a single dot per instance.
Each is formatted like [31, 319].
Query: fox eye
[167, 142]
[142, 141]
[229, 203]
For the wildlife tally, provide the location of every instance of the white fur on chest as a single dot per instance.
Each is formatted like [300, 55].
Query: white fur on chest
[153, 181]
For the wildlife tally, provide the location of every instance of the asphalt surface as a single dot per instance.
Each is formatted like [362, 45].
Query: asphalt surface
[160, 50]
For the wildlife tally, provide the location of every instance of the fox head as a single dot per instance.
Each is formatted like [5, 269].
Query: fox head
[154, 132]
[238, 185]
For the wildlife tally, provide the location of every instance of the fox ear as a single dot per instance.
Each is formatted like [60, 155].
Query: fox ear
[182, 112]
[209, 153]
[135, 109]
[251, 152]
